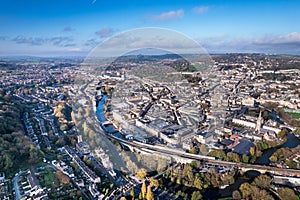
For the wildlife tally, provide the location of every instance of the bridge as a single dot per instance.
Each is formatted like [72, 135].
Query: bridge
[182, 156]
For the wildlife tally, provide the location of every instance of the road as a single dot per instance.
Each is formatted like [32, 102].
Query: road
[16, 187]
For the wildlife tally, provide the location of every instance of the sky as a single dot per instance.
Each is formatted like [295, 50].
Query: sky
[75, 27]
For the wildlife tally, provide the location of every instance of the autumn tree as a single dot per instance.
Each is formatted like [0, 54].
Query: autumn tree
[141, 173]
[262, 181]
[198, 183]
[63, 179]
[287, 194]
[245, 189]
[196, 195]
[154, 182]
[149, 195]
[144, 190]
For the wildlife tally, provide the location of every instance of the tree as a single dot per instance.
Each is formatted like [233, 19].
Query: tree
[233, 157]
[287, 194]
[144, 190]
[198, 183]
[282, 133]
[141, 173]
[260, 194]
[245, 158]
[273, 159]
[236, 195]
[218, 154]
[149, 195]
[203, 149]
[252, 151]
[154, 182]
[262, 181]
[194, 150]
[246, 190]
[193, 164]
[132, 194]
[63, 179]
[196, 195]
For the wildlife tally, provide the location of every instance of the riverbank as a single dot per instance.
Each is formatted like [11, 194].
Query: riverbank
[291, 142]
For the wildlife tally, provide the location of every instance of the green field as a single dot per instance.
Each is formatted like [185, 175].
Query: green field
[294, 115]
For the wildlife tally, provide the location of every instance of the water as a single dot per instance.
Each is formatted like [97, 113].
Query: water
[292, 142]
[216, 193]
[100, 113]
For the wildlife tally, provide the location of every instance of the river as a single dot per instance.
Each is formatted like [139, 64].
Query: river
[100, 113]
[215, 193]
[292, 142]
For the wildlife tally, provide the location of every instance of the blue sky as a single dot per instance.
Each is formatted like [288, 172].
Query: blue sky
[74, 27]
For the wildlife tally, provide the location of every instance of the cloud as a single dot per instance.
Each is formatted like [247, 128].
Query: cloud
[61, 41]
[290, 38]
[75, 49]
[105, 32]
[38, 41]
[168, 16]
[200, 9]
[91, 42]
[278, 44]
[34, 41]
[68, 29]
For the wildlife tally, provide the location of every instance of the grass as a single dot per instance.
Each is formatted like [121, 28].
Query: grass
[294, 115]
[48, 178]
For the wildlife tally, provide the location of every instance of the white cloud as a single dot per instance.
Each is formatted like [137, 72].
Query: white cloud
[167, 16]
[200, 9]
[286, 44]
[290, 38]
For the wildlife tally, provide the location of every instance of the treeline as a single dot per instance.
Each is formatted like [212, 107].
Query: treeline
[15, 149]
[255, 152]
[63, 112]
[261, 188]
[188, 181]
[284, 155]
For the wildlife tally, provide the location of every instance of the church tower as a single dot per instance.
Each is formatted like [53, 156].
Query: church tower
[259, 122]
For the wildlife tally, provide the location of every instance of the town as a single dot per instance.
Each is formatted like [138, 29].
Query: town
[128, 131]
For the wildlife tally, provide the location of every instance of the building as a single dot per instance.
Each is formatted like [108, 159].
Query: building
[258, 123]
[204, 137]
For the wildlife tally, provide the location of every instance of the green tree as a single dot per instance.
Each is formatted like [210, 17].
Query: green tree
[198, 183]
[245, 158]
[132, 194]
[273, 158]
[218, 154]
